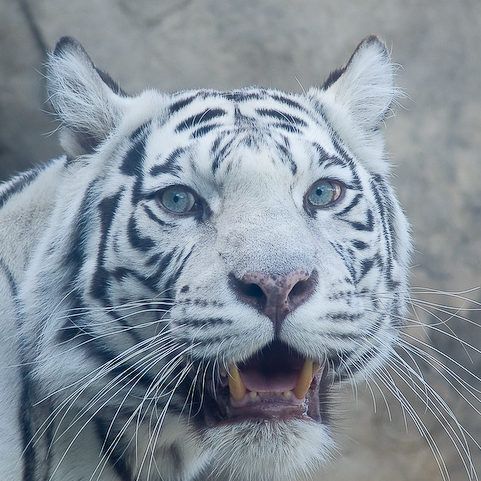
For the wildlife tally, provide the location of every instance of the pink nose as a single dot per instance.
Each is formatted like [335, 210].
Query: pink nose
[275, 295]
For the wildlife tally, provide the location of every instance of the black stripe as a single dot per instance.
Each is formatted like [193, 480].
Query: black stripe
[332, 161]
[201, 117]
[387, 216]
[347, 259]
[17, 184]
[373, 330]
[132, 162]
[344, 316]
[366, 266]
[200, 132]
[79, 330]
[221, 155]
[241, 120]
[172, 281]
[170, 165]
[346, 363]
[137, 193]
[215, 145]
[152, 216]
[107, 209]
[359, 245]
[288, 156]
[353, 204]
[75, 255]
[26, 406]
[125, 326]
[27, 427]
[291, 128]
[348, 161]
[114, 448]
[243, 95]
[162, 267]
[365, 359]
[290, 102]
[71, 331]
[282, 116]
[121, 273]
[180, 104]
[152, 260]
[139, 132]
[137, 241]
[367, 226]
[10, 279]
[210, 321]
[323, 155]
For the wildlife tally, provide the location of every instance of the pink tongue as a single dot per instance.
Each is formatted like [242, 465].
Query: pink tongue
[269, 382]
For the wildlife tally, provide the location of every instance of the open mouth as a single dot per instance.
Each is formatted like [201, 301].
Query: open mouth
[275, 383]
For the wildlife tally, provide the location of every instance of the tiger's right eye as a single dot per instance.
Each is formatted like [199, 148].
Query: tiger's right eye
[177, 199]
[324, 193]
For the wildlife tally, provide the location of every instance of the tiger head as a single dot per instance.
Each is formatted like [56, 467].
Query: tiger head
[217, 261]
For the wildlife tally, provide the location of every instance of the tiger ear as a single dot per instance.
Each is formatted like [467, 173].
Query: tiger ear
[88, 102]
[357, 99]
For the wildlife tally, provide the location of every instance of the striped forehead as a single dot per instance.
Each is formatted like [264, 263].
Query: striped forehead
[196, 113]
[203, 128]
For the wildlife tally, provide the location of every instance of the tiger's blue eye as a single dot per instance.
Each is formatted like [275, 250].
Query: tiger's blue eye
[324, 193]
[177, 199]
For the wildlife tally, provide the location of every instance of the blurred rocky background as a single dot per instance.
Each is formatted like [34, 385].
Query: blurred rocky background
[434, 142]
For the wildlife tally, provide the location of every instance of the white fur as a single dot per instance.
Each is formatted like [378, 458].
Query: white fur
[358, 102]
[258, 223]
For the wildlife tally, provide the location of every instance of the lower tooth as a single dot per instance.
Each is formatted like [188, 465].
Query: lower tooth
[252, 395]
[288, 394]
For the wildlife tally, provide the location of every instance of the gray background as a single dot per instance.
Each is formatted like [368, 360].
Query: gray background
[434, 141]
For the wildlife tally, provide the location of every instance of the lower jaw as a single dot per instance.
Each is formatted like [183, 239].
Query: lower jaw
[273, 414]
[271, 450]
[277, 411]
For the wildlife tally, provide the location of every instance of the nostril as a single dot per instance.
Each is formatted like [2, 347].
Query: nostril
[301, 291]
[252, 290]
[249, 292]
[300, 288]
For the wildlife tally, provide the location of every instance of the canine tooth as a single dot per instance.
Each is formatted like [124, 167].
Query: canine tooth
[304, 380]
[236, 386]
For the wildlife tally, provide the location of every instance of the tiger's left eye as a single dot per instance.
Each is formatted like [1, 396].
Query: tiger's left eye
[177, 199]
[324, 193]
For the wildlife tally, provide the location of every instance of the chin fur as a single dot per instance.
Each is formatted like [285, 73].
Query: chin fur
[269, 451]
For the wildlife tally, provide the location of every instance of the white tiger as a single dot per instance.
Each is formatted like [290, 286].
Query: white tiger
[182, 289]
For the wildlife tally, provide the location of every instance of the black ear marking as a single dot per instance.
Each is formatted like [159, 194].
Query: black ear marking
[371, 40]
[111, 83]
[333, 76]
[67, 44]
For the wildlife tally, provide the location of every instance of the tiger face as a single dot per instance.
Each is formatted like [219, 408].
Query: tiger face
[215, 263]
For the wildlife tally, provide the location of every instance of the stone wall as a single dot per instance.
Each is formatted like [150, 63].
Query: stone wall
[435, 141]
